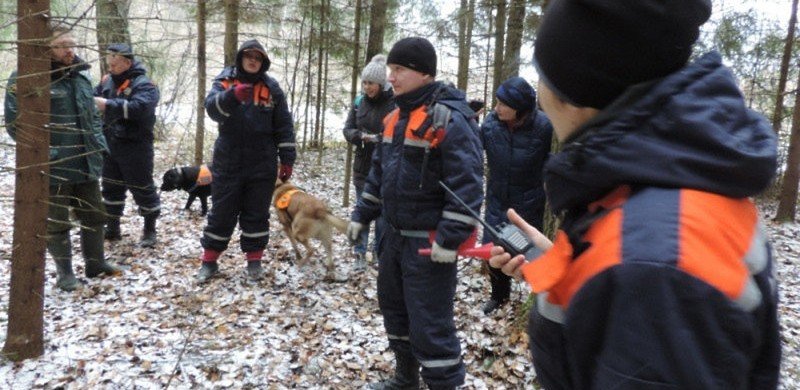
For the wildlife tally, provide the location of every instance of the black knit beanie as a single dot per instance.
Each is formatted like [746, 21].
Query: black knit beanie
[414, 53]
[517, 94]
[589, 51]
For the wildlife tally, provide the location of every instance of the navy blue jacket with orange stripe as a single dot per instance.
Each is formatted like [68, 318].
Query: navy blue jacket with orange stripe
[130, 113]
[662, 276]
[251, 136]
[409, 195]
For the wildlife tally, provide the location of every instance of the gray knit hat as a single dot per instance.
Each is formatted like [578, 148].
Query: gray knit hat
[375, 71]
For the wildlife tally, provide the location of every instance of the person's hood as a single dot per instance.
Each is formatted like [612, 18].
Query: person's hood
[688, 130]
[252, 45]
[455, 99]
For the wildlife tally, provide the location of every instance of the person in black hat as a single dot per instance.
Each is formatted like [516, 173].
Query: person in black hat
[516, 137]
[430, 138]
[256, 146]
[128, 98]
[661, 275]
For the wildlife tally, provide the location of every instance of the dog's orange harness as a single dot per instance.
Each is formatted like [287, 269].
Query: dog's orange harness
[204, 176]
[285, 199]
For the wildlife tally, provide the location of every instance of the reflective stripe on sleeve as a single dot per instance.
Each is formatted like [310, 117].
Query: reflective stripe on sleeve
[287, 145]
[751, 296]
[549, 310]
[219, 108]
[371, 198]
[459, 217]
[395, 337]
[125, 109]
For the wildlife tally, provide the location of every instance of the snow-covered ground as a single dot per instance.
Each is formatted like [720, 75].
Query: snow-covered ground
[153, 327]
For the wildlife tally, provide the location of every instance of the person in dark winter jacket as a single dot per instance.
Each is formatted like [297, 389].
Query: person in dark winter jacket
[430, 138]
[127, 98]
[255, 131]
[661, 275]
[516, 137]
[76, 159]
[363, 130]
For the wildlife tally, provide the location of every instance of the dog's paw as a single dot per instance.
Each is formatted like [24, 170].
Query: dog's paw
[334, 277]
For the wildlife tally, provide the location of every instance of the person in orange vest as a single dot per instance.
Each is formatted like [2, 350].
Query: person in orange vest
[661, 275]
[256, 132]
[430, 138]
[127, 98]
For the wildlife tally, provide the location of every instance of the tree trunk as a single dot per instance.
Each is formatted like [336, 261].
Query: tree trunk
[311, 38]
[377, 28]
[324, 82]
[499, 35]
[348, 164]
[231, 31]
[486, 93]
[788, 199]
[777, 115]
[199, 135]
[25, 336]
[516, 24]
[112, 26]
[320, 52]
[296, 67]
[466, 20]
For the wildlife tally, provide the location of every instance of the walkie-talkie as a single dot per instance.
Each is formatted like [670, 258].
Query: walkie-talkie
[506, 235]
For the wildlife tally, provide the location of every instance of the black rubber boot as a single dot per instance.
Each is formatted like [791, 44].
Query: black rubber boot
[207, 271]
[406, 375]
[254, 270]
[60, 249]
[112, 231]
[149, 235]
[491, 305]
[93, 253]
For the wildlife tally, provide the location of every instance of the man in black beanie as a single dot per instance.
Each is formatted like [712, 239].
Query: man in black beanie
[661, 275]
[430, 138]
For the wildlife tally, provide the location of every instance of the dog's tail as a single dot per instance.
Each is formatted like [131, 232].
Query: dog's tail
[338, 223]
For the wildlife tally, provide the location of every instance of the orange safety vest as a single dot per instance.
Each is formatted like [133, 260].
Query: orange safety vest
[204, 177]
[261, 95]
[711, 255]
[419, 131]
[285, 199]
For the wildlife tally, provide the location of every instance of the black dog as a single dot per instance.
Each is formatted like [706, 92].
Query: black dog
[185, 178]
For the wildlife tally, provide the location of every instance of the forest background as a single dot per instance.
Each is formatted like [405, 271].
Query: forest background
[318, 48]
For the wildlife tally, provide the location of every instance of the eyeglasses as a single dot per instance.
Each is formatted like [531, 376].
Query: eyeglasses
[253, 55]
